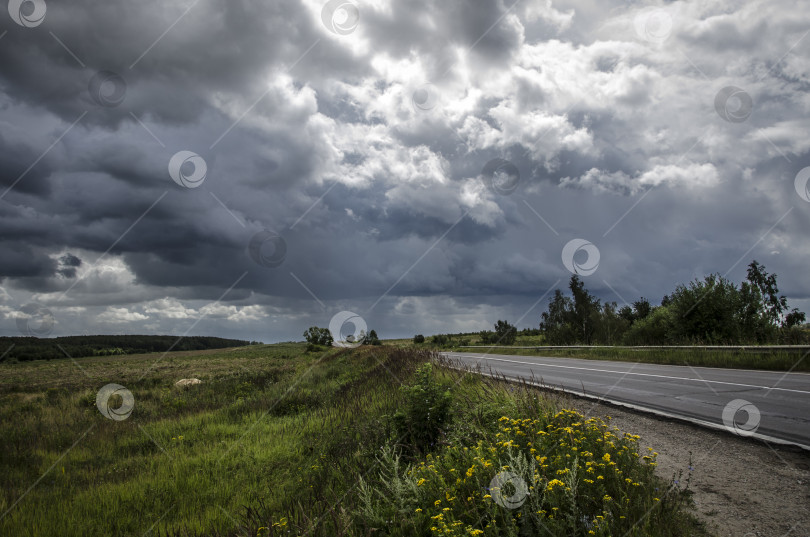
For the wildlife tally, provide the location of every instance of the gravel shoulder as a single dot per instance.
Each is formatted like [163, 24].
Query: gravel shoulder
[742, 487]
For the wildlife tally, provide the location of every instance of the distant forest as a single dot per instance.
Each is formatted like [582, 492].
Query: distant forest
[32, 348]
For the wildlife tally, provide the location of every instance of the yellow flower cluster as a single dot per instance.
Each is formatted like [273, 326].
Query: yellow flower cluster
[565, 451]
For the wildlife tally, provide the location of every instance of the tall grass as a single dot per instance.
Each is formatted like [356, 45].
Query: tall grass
[262, 429]
[276, 441]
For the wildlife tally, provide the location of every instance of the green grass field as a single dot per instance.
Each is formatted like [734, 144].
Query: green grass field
[278, 441]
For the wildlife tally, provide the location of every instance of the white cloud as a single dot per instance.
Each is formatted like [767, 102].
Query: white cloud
[232, 313]
[169, 308]
[114, 315]
[690, 176]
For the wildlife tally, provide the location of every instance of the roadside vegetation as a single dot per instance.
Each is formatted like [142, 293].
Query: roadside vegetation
[377, 440]
[511, 462]
[711, 311]
[708, 312]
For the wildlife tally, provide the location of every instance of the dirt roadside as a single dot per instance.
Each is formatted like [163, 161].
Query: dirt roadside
[742, 487]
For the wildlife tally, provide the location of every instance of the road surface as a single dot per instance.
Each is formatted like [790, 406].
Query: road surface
[769, 405]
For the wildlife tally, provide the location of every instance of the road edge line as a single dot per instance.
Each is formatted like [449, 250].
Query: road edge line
[643, 409]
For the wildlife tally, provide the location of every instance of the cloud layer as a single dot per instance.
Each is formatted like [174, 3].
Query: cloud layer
[351, 141]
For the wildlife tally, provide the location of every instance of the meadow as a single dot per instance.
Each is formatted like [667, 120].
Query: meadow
[282, 440]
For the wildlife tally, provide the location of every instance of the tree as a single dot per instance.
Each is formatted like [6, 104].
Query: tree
[706, 311]
[791, 333]
[764, 314]
[773, 305]
[371, 339]
[556, 322]
[655, 329]
[418, 338]
[505, 332]
[712, 310]
[318, 336]
[641, 309]
[440, 340]
[585, 311]
[626, 313]
[794, 318]
[487, 336]
[573, 319]
[610, 325]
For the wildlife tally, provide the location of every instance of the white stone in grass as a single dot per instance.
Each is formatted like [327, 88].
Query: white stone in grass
[185, 383]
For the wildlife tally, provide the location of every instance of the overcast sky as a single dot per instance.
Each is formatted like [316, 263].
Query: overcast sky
[250, 169]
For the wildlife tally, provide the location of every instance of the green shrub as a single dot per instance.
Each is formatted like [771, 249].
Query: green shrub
[425, 412]
[557, 475]
[505, 333]
[372, 339]
[655, 329]
[418, 338]
[318, 336]
[440, 340]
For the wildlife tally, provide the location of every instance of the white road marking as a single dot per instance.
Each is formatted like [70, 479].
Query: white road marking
[628, 373]
[657, 412]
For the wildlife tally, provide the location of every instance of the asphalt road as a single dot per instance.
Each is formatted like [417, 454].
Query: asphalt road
[771, 406]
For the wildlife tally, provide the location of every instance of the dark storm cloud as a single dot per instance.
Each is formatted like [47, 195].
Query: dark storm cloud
[22, 263]
[231, 47]
[379, 195]
[68, 264]
[15, 160]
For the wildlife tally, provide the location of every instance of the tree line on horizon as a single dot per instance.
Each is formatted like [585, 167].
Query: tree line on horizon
[708, 311]
[503, 334]
[317, 337]
[24, 349]
[711, 311]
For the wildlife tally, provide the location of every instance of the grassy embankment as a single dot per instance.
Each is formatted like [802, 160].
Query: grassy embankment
[276, 442]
